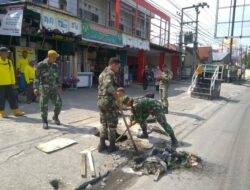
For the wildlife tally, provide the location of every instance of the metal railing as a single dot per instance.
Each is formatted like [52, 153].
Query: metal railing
[214, 78]
[216, 73]
[193, 83]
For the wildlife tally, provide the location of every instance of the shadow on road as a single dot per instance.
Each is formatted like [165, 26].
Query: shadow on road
[229, 100]
[187, 115]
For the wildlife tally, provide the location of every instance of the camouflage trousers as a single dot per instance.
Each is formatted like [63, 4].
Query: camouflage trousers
[161, 119]
[46, 95]
[163, 92]
[108, 117]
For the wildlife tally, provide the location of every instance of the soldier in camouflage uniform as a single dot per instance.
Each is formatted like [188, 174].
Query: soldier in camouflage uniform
[107, 103]
[165, 78]
[141, 108]
[47, 84]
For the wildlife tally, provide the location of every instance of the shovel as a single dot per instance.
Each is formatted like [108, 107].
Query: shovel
[129, 132]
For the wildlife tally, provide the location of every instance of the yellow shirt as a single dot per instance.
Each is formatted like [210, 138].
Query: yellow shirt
[29, 73]
[7, 74]
[22, 63]
[198, 70]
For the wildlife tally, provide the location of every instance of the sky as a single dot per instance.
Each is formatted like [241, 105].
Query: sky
[207, 18]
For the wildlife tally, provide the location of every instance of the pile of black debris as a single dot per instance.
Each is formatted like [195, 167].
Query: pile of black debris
[159, 161]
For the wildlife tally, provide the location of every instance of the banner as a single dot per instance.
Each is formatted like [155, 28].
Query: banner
[134, 42]
[11, 20]
[30, 51]
[99, 34]
[52, 20]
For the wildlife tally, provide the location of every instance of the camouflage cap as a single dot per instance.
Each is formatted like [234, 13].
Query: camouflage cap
[53, 52]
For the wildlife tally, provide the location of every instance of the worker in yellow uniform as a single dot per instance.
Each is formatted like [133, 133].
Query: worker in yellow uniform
[7, 84]
[21, 64]
[198, 73]
[29, 73]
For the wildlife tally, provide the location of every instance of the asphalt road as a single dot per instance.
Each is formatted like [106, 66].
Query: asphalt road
[223, 142]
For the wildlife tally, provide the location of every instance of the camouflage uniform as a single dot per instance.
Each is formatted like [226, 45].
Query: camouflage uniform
[47, 81]
[143, 107]
[164, 84]
[107, 103]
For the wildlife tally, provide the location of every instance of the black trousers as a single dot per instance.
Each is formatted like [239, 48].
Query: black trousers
[7, 92]
[145, 84]
[29, 93]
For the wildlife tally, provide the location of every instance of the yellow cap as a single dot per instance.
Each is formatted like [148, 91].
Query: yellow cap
[53, 52]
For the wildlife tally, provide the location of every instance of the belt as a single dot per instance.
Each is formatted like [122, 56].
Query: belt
[103, 96]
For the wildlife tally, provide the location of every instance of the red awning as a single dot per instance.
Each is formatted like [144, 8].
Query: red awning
[153, 9]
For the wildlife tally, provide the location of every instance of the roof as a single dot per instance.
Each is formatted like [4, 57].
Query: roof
[204, 52]
[219, 56]
[163, 48]
[172, 47]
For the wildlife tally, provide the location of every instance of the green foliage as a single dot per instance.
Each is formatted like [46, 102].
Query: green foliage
[246, 60]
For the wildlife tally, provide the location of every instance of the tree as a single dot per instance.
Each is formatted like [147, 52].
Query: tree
[246, 60]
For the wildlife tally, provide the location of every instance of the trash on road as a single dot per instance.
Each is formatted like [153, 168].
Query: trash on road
[129, 170]
[91, 181]
[55, 145]
[160, 161]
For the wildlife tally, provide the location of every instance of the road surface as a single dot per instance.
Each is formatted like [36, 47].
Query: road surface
[223, 142]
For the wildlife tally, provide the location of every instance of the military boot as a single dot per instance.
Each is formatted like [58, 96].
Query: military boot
[144, 134]
[56, 119]
[166, 110]
[17, 112]
[3, 114]
[45, 124]
[174, 141]
[112, 147]
[102, 145]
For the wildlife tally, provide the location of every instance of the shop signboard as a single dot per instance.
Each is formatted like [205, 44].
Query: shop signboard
[134, 42]
[99, 34]
[53, 20]
[11, 20]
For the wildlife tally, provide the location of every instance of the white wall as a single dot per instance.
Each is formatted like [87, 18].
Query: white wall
[71, 6]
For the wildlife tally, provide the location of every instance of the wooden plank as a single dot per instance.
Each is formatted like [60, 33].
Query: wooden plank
[91, 164]
[88, 149]
[83, 166]
[55, 145]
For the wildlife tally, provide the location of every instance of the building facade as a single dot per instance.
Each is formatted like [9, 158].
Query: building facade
[87, 33]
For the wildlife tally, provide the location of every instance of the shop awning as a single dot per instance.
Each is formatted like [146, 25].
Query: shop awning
[163, 49]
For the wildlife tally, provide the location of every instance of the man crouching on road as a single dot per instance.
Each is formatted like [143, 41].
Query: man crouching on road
[141, 108]
[108, 105]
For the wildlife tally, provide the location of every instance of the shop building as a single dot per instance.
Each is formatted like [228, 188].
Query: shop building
[87, 33]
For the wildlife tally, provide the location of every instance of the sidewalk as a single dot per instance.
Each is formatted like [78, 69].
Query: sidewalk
[24, 167]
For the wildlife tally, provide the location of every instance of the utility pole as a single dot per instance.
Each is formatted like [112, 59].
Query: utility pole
[196, 40]
[231, 42]
[180, 44]
[196, 7]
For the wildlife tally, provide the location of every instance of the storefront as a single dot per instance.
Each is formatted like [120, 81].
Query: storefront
[156, 57]
[37, 30]
[135, 49]
[60, 32]
[97, 46]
